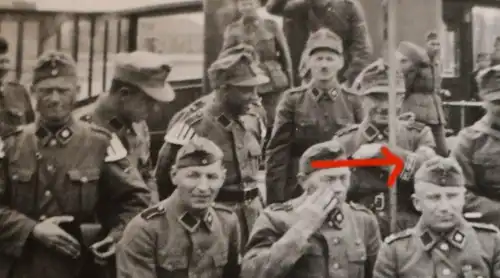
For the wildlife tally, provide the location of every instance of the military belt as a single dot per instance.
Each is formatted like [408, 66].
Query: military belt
[239, 196]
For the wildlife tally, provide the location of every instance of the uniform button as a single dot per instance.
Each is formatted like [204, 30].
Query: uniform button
[84, 179]
[336, 266]
[380, 136]
[444, 247]
[43, 217]
[336, 241]
[330, 223]
[446, 271]
[53, 142]
[47, 193]
[50, 167]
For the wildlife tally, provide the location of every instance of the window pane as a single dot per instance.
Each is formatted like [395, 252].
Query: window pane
[450, 57]
[486, 28]
[183, 46]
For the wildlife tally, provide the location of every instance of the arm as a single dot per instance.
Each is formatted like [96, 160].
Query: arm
[385, 265]
[15, 227]
[372, 241]
[278, 152]
[284, 50]
[270, 254]
[135, 252]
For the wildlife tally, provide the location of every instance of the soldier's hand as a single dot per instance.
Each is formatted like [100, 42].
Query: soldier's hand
[103, 250]
[316, 208]
[51, 235]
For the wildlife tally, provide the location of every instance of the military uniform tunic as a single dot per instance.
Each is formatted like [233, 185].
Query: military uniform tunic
[165, 241]
[477, 150]
[345, 247]
[370, 187]
[304, 117]
[15, 106]
[346, 18]
[77, 171]
[471, 250]
[240, 140]
[134, 136]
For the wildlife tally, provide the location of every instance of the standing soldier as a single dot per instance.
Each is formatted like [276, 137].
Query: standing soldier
[414, 144]
[477, 149]
[187, 220]
[308, 115]
[443, 243]
[225, 122]
[421, 97]
[57, 175]
[139, 82]
[273, 53]
[345, 18]
[15, 103]
[317, 234]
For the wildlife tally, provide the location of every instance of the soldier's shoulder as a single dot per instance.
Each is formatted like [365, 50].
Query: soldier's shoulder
[153, 212]
[296, 91]
[484, 227]
[473, 132]
[360, 208]
[399, 236]
[417, 126]
[97, 130]
[223, 209]
[347, 130]
[184, 129]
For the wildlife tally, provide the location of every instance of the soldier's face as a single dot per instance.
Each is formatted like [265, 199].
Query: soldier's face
[55, 98]
[248, 7]
[377, 107]
[137, 105]
[239, 98]
[441, 207]
[404, 63]
[338, 179]
[433, 47]
[198, 186]
[325, 65]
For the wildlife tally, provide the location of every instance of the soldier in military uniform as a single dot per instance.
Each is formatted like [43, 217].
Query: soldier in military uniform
[443, 243]
[270, 43]
[343, 17]
[317, 234]
[226, 122]
[15, 103]
[155, 242]
[477, 148]
[421, 97]
[67, 189]
[308, 114]
[138, 84]
[415, 144]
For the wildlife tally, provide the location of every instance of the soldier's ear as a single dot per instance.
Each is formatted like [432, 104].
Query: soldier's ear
[173, 173]
[416, 203]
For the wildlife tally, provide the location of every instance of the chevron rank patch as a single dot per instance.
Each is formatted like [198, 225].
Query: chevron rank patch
[180, 134]
[116, 150]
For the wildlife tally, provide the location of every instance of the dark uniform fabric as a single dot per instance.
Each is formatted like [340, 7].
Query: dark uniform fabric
[274, 56]
[15, 106]
[134, 137]
[346, 246]
[421, 97]
[470, 250]
[77, 171]
[166, 241]
[343, 17]
[305, 116]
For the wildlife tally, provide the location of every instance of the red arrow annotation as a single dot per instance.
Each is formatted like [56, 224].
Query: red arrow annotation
[388, 159]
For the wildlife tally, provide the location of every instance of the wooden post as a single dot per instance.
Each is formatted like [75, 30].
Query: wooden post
[218, 15]
[391, 6]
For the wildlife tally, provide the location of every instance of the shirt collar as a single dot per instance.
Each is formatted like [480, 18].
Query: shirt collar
[187, 220]
[52, 139]
[430, 239]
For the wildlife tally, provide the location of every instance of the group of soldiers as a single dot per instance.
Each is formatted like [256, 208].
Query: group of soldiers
[80, 196]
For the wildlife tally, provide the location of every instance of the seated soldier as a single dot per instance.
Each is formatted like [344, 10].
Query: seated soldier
[155, 243]
[443, 243]
[415, 144]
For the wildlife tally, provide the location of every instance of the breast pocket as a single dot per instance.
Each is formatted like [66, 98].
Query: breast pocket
[254, 155]
[83, 193]
[173, 267]
[357, 260]
[23, 191]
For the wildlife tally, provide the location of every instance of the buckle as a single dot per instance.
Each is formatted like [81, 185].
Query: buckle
[379, 202]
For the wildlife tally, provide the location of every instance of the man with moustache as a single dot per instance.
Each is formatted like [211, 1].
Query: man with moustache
[15, 103]
[477, 149]
[317, 234]
[138, 84]
[309, 114]
[421, 97]
[227, 122]
[414, 142]
[345, 18]
[155, 242]
[57, 176]
[443, 243]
